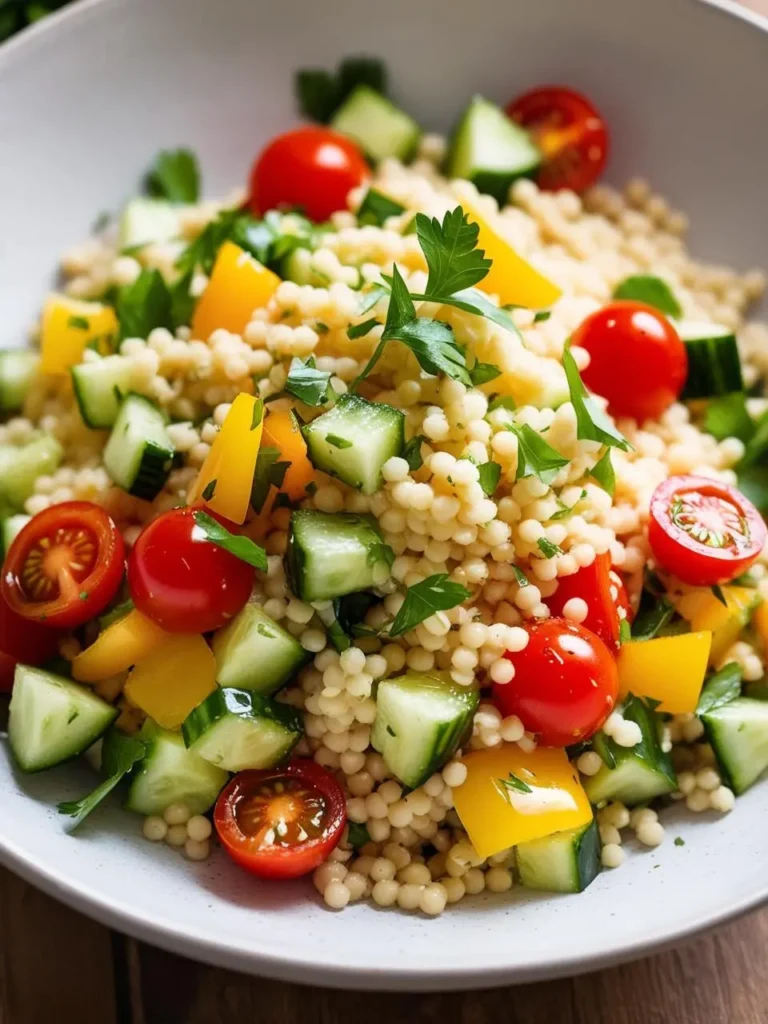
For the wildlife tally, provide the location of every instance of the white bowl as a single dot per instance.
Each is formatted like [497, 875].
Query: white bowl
[86, 99]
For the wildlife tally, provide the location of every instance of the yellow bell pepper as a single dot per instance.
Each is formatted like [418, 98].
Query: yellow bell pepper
[669, 669]
[173, 679]
[497, 816]
[725, 621]
[238, 285]
[120, 645]
[511, 277]
[67, 326]
[226, 477]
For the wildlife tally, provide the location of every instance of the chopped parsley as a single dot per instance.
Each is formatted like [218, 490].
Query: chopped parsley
[338, 442]
[489, 474]
[482, 373]
[237, 545]
[79, 323]
[412, 452]
[305, 382]
[652, 291]
[209, 490]
[376, 207]
[547, 548]
[434, 594]
[175, 176]
[535, 457]
[603, 472]
[515, 783]
[592, 424]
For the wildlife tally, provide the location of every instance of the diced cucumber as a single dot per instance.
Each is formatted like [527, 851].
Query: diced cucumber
[51, 719]
[738, 732]
[10, 528]
[171, 774]
[332, 554]
[21, 465]
[139, 454]
[148, 220]
[240, 729]
[254, 653]
[17, 371]
[377, 207]
[421, 719]
[714, 367]
[639, 773]
[564, 862]
[354, 439]
[490, 150]
[99, 388]
[298, 267]
[377, 125]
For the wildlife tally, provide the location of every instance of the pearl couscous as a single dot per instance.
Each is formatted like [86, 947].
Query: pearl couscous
[442, 569]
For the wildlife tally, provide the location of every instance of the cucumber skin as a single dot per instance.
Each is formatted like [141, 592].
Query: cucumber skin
[241, 703]
[222, 639]
[587, 861]
[714, 368]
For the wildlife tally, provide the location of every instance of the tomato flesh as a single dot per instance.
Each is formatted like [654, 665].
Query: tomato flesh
[636, 358]
[594, 585]
[65, 565]
[282, 822]
[22, 640]
[182, 581]
[565, 683]
[570, 133]
[702, 531]
[310, 169]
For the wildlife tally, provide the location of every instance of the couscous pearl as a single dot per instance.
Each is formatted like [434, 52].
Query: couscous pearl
[199, 828]
[511, 729]
[176, 814]
[698, 800]
[155, 828]
[612, 856]
[176, 835]
[385, 892]
[498, 880]
[650, 833]
[433, 899]
[382, 870]
[589, 763]
[395, 469]
[474, 881]
[197, 849]
[610, 834]
[722, 799]
[502, 671]
[409, 896]
[336, 895]
[575, 609]
[454, 774]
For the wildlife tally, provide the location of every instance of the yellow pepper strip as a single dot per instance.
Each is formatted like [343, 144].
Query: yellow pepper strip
[67, 326]
[226, 477]
[238, 285]
[173, 679]
[511, 277]
[497, 816]
[120, 645]
[670, 669]
[725, 621]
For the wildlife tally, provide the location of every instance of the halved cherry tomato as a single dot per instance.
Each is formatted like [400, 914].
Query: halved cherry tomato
[181, 580]
[636, 358]
[570, 133]
[65, 566]
[565, 683]
[702, 531]
[312, 169]
[593, 584]
[283, 822]
[22, 640]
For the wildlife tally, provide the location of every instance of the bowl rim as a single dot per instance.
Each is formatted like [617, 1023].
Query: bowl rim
[160, 931]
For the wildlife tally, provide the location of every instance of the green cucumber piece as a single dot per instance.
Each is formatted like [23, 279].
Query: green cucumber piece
[714, 366]
[254, 653]
[18, 368]
[567, 861]
[139, 454]
[148, 220]
[379, 127]
[99, 387]
[21, 465]
[738, 732]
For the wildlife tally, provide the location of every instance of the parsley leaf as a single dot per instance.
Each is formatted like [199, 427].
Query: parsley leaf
[175, 176]
[209, 490]
[369, 300]
[535, 457]
[237, 545]
[489, 474]
[513, 782]
[520, 577]
[357, 835]
[651, 290]
[144, 305]
[721, 688]
[727, 416]
[502, 402]
[482, 373]
[120, 754]
[360, 330]
[412, 452]
[307, 383]
[434, 594]
[79, 323]
[654, 613]
[182, 300]
[602, 471]
[269, 473]
[338, 442]
[376, 207]
[564, 511]
[547, 548]
[450, 250]
[541, 316]
[592, 424]
[470, 300]
[717, 590]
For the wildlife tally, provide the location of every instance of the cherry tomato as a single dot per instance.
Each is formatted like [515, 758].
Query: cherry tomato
[565, 683]
[282, 822]
[621, 597]
[65, 566]
[702, 531]
[593, 584]
[181, 580]
[312, 169]
[637, 361]
[570, 133]
[22, 640]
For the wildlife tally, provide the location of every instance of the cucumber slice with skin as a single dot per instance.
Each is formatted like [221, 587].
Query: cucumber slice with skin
[10, 529]
[17, 371]
[738, 733]
[379, 127]
[297, 266]
[714, 366]
[490, 150]
[640, 773]
[332, 554]
[171, 774]
[148, 220]
[139, 454]
[354, 439]
[51, 719]
[99, 388]
[240, 729]
[254, 653]
[421, 720]
[21, 465]
[564, 862]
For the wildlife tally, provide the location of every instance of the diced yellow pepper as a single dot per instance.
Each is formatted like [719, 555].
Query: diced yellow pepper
[226, 477]
[725, 621]
[120, 645]
[67, 326]
[497, 816]
[511, 277]
[238, 285]
[669, 669]
[173, 679]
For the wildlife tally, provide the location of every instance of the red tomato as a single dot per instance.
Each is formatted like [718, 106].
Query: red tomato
[65, 566]
[594, 585]
[570, 133]
[22, 640]
[312, 169]
[181, 580]
[565, 683]
[623, 603]
[637, 361]
[702, 531]
[282, 822]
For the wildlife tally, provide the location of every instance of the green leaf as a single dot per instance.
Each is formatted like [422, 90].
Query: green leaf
[182, 301]
[470, 300]
[679, 841]
[144, 305]
[401, 309]
[513, 782]
[541, 316]
[175, 176]
[320, 93]
[489, 474]
[360, 330]
[412, 452]
[450, 250]
[651, 290]
[522, 579]
[269, 472]
[370, 298]
[564, 511]
[357, 834]
[547, 548]
[721, 688]
[209, 490]
[376, 207]
[717, 590]
[434, 594]
[79, 323]
[757, 446]
[338, 442]
[237, 545]
[625, 632]
[602, 471]
[121, 753]
[753, 483]
[654, 613]
[307, 383]
[502, 402]
[592, 424]
[482, 373]
[727, 416]
[535, 457]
